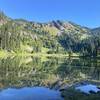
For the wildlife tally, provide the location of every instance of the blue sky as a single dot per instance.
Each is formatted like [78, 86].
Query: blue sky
[83, 12]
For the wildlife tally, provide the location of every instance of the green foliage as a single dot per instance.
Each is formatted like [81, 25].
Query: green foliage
[57, 37]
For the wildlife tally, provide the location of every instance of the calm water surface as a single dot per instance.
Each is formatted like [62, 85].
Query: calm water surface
[29, 78]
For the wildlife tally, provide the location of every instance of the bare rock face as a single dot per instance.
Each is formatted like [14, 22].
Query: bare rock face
[3, 18]
[2, 22]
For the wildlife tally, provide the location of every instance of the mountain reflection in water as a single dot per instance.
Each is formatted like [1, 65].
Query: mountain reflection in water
[21, 72]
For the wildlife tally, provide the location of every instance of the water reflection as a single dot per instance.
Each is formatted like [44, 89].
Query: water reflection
[29, 71]
[36, 93]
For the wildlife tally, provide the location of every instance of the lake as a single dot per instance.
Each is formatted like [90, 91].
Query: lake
[34, 78]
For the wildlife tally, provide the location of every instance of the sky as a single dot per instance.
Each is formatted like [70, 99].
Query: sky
[83, 12]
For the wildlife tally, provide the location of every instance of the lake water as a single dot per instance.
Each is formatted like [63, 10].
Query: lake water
[33, 78]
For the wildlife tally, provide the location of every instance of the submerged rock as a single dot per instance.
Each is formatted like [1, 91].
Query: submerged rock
[82, 90]
[89, 88]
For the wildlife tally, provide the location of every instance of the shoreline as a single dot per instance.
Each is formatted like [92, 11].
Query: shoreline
[40, 54]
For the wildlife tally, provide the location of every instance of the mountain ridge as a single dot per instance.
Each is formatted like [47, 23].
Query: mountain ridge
[53, 37]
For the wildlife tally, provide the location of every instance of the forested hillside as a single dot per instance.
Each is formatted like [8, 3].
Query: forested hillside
[55, 37]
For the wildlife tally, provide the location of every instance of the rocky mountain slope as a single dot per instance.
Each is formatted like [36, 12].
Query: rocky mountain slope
[52, 37]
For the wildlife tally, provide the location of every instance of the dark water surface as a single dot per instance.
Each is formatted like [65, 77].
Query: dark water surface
[29, 78]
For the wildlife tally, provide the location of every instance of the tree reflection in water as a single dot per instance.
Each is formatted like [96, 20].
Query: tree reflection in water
[29, 71]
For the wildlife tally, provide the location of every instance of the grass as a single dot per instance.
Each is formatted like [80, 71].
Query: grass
[26, 51]
[4, 54]
[53, 55]
[52, 30]
[44, 50]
